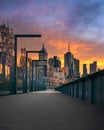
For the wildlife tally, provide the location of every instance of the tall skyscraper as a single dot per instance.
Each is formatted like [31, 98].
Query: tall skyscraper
[68, 61]
[57, 63]
[71, 65]
[51, 62]
[76, 68]
[93, 67]
[51, 67]
[43, 55]
[54, 65]
[84, 69]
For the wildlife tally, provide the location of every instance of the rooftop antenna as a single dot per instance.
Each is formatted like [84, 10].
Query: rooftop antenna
[68, 47]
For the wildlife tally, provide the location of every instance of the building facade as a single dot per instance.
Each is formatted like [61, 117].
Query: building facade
[43, 55]
[84, 70]
[93, 67]
[76, 68]
[57, 63]
[68, 61]
[71, 64]
[54, 66]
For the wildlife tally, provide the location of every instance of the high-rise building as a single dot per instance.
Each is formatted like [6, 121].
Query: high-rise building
[57, 63]
[51, 67]
[51, 62]
[71, 65]
[93, 67]
[66, 71]
[76, 68]
[43, 55]
[84, 69]
[54, 65]
[68, 61]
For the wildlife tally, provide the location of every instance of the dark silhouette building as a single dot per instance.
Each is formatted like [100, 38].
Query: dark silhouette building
[55, 62]
[51, 62]
[68, 62]
[93, 67]
[76, 68]
[84, 70]
[72, 64]
[43, 55]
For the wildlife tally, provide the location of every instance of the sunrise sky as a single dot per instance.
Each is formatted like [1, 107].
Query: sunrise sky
[78, 22]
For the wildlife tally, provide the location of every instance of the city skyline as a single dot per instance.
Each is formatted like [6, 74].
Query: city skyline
[79, 23]
[68, 52]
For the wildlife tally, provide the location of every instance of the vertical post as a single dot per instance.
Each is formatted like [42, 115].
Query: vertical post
[3, 77]
[32, 77]
[77, 89]
[92, 91]
[11, 80]
[14, 87]
[83, 89]
[25, 87]
[37, 78]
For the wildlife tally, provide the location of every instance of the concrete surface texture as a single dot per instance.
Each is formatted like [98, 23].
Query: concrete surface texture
[48, 110]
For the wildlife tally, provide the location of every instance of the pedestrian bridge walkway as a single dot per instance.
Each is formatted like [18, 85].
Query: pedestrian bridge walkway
[48, 110]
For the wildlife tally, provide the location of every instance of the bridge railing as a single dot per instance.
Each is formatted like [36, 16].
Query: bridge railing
[89, 88]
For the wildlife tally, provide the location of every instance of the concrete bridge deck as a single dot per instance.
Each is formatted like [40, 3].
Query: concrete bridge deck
[48, 110]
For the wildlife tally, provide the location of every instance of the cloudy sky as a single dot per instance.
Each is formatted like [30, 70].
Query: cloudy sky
[77, 22]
